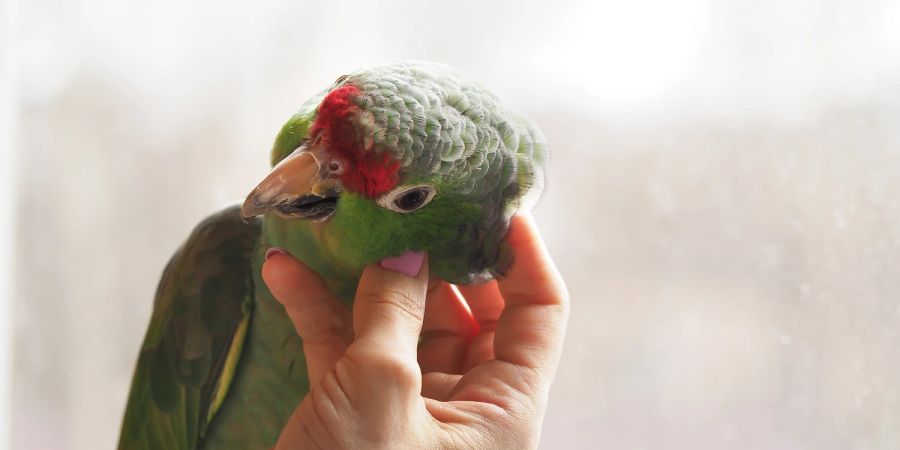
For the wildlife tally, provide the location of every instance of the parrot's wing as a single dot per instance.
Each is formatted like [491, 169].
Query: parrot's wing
[200, 317]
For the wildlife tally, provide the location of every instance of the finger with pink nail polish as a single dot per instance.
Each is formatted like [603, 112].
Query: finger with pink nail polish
[408, 263]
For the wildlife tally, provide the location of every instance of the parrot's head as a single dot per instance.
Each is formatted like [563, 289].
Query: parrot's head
[401, 157]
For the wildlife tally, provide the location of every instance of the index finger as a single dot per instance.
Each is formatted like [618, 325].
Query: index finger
[531, 328]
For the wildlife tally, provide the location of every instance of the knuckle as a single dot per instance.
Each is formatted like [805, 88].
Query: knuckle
[316, 420]
[402, 371]
[400, 301]
[323, 334]
[322, 405]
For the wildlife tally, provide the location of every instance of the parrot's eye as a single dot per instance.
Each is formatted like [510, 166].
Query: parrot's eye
[335, 167]
[407, 198]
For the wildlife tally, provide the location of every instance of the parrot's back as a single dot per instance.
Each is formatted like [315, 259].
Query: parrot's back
[206, 318]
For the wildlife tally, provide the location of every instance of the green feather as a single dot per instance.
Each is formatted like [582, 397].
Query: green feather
[203, 297]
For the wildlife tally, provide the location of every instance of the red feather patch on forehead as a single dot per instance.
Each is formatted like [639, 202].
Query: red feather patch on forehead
[369, 172]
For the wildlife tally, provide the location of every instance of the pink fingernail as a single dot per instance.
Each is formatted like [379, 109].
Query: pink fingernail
[273, 250]
[408, 263]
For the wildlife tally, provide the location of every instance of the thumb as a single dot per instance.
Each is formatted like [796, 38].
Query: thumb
[390, 303]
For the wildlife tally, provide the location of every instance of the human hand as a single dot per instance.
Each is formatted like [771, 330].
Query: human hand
[402, 372]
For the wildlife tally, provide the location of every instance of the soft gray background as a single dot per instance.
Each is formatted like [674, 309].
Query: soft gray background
[723, 196]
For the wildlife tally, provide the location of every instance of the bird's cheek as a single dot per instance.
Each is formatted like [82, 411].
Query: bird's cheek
[338, 246]
[330, 241]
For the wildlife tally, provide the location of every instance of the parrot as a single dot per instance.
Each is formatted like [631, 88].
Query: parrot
[406, 156]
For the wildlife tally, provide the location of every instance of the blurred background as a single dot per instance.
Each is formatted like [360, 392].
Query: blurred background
[723, 199]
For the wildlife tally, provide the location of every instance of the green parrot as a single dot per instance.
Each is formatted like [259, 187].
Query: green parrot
[405, 156]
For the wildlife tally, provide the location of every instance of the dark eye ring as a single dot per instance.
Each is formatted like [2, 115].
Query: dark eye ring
[406, 199]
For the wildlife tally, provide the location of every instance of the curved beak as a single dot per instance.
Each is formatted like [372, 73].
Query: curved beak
[292, 190]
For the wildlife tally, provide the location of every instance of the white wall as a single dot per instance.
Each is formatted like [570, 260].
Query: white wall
[9, 16]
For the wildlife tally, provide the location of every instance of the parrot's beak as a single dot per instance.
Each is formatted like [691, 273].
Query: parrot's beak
[293, 190]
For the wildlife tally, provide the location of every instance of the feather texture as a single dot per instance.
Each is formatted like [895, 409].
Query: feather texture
[204, 295]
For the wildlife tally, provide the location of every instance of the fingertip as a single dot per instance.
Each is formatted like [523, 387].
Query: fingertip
[275, 250]
[527, 246]
[523, 230]
[533, 269]
[409, 269]
[409, 263]
[276, 270]
[287, 277]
